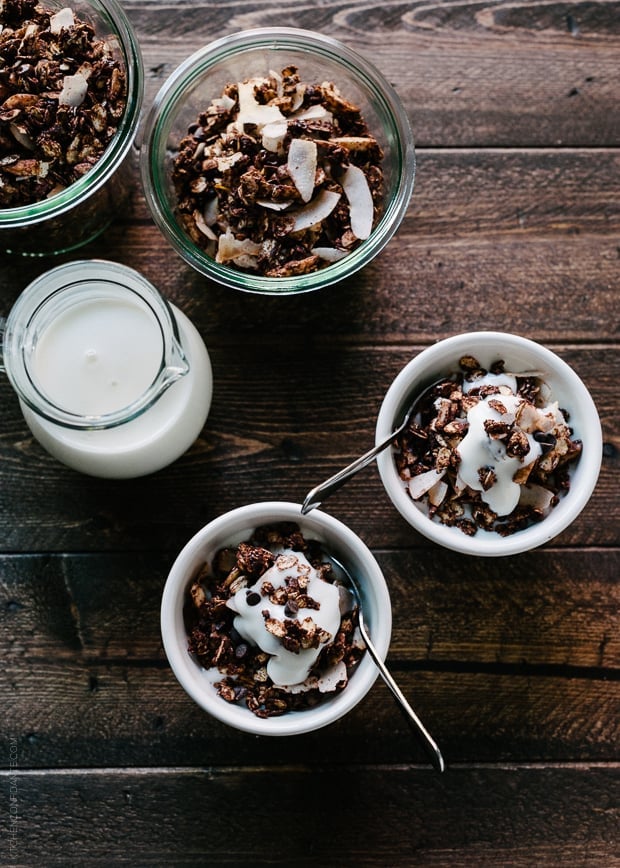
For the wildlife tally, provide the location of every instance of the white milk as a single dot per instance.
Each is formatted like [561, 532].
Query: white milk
[96, 358]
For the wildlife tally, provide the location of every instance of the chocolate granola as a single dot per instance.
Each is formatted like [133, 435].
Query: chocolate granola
[428, 454]
[216, 644]
[62, 96]
[278, 176]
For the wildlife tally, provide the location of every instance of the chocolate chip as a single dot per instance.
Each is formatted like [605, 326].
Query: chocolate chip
[291, 608]
[252, 598]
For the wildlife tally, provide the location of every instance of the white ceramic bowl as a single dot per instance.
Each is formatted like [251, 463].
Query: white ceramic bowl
[519, 354]
[230, 529]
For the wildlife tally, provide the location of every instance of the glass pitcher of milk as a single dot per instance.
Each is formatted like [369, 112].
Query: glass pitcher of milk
[112, 379]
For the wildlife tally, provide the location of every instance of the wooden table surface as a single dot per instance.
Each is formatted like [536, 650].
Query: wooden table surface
[513, 663]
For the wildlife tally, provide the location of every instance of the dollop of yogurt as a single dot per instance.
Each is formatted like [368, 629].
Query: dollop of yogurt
[254, 608]
[479, 452]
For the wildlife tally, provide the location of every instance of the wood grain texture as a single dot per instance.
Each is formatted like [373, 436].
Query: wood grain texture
[512, 663]
[511, 659]
[557, 816]
[308, 423]
[513, 74]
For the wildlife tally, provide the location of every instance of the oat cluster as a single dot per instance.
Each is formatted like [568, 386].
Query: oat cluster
[214, 642]
[278, 176]
[62, 96]
[428, 460]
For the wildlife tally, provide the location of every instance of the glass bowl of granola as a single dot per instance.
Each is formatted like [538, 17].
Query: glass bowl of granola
[277, 161]
[259, 627]
[503, 452]
[71, 82]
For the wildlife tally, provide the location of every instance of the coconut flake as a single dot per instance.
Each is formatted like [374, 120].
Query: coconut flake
[273, 136]
[201, 224]
[275, 206]
[61, 20]
[229, 247]
[253, 112]
[329, 254]
[316, 210]
[423, 482]
[301, 166]
[358, 193]
[21, 136]
[437, 493]
[211, 211]
[74, 90]
[314, 112]
[535, 496]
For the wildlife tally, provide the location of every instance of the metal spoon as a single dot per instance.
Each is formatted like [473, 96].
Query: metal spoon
[426, 740]
[321, 492]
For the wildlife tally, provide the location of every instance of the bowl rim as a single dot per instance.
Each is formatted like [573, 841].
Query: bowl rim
[235, 524]
[273, 38]
[441, 357]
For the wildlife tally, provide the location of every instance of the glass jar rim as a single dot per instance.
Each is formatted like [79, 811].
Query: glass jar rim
[121, 142]
[190, 71]
[71, 276]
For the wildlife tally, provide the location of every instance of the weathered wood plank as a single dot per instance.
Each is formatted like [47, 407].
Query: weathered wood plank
[526, 242]
[468, 74]
[305, 426]
[514, 659]
[549, 611]
[368, 816]
[72, 714]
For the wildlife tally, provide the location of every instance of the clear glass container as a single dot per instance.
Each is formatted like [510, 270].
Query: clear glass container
[242, 55]
[85, 208]
[112, 379]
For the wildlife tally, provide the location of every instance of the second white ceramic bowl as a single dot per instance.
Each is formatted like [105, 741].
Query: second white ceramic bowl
[232, 528]
[519, 354]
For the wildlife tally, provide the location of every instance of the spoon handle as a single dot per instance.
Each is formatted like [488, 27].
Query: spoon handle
[426, 740]
[321, 492]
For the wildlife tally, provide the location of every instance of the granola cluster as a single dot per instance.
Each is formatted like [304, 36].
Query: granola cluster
[214, 641]
[62, 96]
[519, 431]
[279, 177]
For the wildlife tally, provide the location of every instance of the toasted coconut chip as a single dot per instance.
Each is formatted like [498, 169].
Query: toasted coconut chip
[211, 211]
[423, 482]
[361, 208]
[201, 224]
[21, 136]
[301, 166]
[253, 112]
[329, 254]
[316, 210]
[229, 247]
[224, 102]
[437, 493]
[74, 89]
[355, 143]
[61, 20]
[535, 496]
[334, 677]
[273, 136]
[314, 112]
[275, 206]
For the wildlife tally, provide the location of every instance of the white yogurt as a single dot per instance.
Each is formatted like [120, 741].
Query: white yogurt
[477, 450]
[287, 667]
[97, 360]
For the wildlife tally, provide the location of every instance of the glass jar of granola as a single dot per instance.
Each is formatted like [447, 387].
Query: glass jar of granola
[277, 161]
[71, 82]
